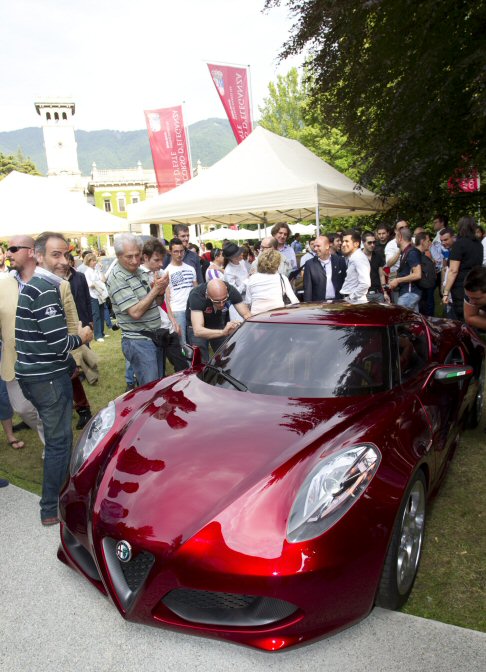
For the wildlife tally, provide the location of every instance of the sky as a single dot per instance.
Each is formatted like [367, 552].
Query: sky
[115, 58]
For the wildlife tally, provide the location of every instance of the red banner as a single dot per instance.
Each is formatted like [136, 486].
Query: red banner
[170, 148]
[464, 181]
[232, 86]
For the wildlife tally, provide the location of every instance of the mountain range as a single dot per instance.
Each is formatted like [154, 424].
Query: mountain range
[210, 140]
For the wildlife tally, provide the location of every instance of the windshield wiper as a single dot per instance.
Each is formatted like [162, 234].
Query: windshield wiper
[234, 381]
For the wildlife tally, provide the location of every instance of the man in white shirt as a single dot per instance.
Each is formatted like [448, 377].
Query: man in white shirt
[281, 232]
[324, 274]
[182, 278]
[392, 249]
[358, 278]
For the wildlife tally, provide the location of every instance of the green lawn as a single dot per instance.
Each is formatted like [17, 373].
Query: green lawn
[451, 584]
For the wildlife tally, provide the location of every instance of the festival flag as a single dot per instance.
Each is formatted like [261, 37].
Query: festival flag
[170, 147]
[232, 85]
[465, 183]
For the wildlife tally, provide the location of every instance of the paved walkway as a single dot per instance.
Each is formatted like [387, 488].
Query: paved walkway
[51, 620]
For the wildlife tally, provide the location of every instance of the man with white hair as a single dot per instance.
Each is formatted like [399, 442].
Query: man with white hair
[135, 304]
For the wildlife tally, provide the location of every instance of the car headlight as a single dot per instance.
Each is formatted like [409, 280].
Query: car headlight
[330, 490]
[95, 431]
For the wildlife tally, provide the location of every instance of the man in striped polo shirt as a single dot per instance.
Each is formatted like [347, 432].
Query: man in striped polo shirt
[135, 304]
[44, 363]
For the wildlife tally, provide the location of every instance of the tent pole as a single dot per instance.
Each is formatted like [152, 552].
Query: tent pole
[318, 230]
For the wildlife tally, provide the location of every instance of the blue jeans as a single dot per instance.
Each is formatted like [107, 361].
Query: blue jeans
[106, 315]
[129, 374]
[203, 344]
[146, 359]
[53, 400]
[6, 410]
[409, 300]
[180, 317]
[98, 319]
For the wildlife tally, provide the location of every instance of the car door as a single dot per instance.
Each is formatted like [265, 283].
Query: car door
[439, 402]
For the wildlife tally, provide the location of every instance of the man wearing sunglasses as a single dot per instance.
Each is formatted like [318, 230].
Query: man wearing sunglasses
[207, 314]
[377, 274]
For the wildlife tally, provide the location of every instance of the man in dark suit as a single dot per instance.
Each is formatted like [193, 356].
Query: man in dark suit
[324, 274]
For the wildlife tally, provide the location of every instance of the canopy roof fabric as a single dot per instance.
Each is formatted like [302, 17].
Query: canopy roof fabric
[266, 179]
[30, 204]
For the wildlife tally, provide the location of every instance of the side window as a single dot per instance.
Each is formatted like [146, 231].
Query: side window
[413, 349]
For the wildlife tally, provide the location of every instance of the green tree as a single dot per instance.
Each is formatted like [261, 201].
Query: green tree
[288, 111]
[19, 162]
[404, 81]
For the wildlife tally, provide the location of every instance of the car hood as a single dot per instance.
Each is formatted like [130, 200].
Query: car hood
[193, 450]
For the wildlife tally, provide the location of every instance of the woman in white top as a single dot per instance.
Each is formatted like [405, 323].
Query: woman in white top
[235, 272]
[215, 269]
[98, 294]
[266, 287]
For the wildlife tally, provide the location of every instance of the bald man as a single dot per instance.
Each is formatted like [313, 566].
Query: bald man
[207, 314]
[324, 274]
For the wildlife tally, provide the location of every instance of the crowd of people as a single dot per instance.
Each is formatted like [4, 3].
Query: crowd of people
[163, 295]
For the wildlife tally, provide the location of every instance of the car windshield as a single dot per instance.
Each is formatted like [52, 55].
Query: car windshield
[300, 360]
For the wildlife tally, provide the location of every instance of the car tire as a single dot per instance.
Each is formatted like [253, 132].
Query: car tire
[405, 549]
[474, 415]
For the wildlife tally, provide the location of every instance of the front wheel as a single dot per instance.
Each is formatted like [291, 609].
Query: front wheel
[403, 556]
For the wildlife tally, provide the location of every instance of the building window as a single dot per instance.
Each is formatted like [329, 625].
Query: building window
[56, 116]
[48, 116]
[121, 202]
[135, 198]
[107, 204]
[64, 116]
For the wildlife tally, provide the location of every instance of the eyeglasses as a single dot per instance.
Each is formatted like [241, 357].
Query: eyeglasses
[371, 242]
[219, 300]
[15, 248]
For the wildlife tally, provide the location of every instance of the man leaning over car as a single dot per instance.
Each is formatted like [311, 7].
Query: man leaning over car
[208, 314]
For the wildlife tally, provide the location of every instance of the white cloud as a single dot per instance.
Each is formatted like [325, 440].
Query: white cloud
[119, 57]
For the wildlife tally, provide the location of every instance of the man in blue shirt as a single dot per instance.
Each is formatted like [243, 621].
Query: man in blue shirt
[409, 272]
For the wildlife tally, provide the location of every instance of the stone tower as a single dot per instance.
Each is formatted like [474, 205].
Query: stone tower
[59, 140]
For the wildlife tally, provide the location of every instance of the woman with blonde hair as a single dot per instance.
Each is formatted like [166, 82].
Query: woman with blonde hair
[268, 289]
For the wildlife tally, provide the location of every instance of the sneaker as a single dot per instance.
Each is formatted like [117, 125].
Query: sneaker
[106, 335]
[100, 340]
[3, 483]
[115, 327]
[130, 387]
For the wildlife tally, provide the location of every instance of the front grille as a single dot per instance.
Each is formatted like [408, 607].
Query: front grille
[135, 571]
[127, 577]
[232, 609]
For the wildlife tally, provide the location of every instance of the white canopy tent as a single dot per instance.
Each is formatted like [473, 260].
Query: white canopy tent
[30, 204]
[265, 179]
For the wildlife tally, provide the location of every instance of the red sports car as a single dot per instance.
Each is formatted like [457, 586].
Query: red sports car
[277, 493]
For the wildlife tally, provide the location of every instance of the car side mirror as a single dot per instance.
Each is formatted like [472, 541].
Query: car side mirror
[193, 354]
[452, 374]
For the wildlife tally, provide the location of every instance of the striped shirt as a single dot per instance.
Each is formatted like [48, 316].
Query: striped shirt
[41, 335]
[126, 289]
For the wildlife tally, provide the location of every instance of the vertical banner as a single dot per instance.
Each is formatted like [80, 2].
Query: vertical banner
[170, 147]
[232, 85]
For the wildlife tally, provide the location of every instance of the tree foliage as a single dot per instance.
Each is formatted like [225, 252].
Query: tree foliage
[18, 162]
[405, 83]
[288, 111]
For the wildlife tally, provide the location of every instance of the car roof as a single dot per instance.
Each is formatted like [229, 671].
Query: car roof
[340, 313]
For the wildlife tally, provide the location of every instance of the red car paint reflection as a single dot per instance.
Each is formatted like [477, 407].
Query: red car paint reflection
[265, 498]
